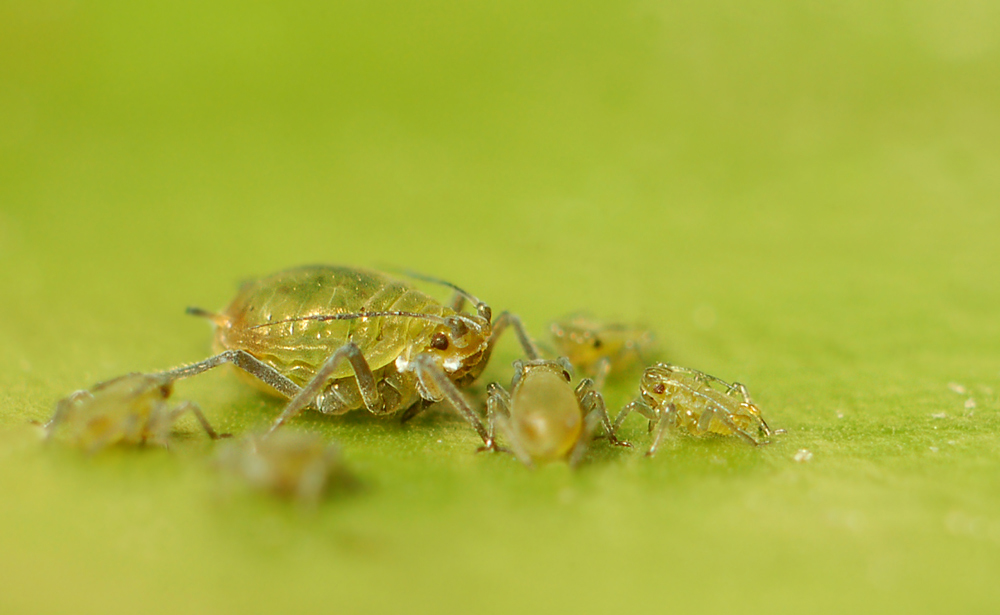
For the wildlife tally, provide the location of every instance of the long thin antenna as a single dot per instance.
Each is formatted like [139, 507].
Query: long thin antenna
[354, 316]
[481, 307]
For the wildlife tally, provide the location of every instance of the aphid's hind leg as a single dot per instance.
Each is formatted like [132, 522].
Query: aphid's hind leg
[243, 360]
[662, 426]
[193, 408]
[591, 401]
[308, 393]
[438, 385]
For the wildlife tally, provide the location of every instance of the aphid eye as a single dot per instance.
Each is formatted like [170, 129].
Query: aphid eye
[567, 376]
[597, 343]
[440, 342]
[660, 388]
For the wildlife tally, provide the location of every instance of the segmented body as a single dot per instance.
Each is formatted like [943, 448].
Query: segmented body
[697, 403]
[130, 409]
[289, 463]
[271, 318]
[599, 348]
[544, 418]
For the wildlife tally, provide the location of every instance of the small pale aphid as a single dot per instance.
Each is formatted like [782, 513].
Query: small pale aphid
[684, 399]
[288, 463]
[130, 409]
[543, 417]
[597, 348]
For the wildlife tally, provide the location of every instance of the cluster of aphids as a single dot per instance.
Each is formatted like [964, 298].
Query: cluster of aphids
[340, 339]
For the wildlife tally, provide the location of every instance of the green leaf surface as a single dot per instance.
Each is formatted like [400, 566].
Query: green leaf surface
[801, 197]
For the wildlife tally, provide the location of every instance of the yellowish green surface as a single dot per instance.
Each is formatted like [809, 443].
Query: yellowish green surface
[804, 197]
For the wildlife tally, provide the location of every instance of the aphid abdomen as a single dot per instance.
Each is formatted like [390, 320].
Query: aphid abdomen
[269, 319]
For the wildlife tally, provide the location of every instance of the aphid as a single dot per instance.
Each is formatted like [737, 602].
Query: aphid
[599, 349]
[130, 409]
[673, 397]
[342, 338]
[289, 463]
[543, 418]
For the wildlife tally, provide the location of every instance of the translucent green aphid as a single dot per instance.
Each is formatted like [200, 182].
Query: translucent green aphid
[292, 464]
[341, 338]
[130, 409]
[544, 418]
[597, 348]
[684, 399]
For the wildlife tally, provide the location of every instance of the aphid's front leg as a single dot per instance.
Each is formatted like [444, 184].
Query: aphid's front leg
[601, 371]
[243, 360]
[591, 402]
[504, 320]
[668, 418]
[308, 393]
[635, 406]
[498, 413]
[497, 404]
[438, 385]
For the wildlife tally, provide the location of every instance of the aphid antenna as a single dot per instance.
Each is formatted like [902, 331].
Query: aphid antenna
[481, 307]
[355, 316]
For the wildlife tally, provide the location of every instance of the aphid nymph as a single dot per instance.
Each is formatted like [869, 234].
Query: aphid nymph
[289, 463]
[544, 418]
[130, 409]
[684, 399]
[597, 348]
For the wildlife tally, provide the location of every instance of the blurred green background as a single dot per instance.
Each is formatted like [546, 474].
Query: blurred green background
[799, 196]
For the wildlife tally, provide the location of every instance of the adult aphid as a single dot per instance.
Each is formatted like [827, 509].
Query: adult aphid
[342, 338]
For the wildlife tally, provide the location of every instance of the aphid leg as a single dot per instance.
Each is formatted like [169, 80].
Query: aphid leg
[590, 422]
[308, 393]
[504, 320]
[745, 394]
[435, 381]
[601, 372]
[243, 360]
[62, 408]
[497, 404]
[193, 408]
[498, 411]
[591, 401]
[728, 421]
[637, 406]
[415, 409]
[662, 426]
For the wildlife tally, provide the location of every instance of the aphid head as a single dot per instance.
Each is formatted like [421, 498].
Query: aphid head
[561, 367]
[658, 383]
[460, 340]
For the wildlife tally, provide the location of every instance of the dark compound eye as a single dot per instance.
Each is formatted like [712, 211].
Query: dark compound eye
[439, 342]
[660, 388]
[597, 343]
[567, 376]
